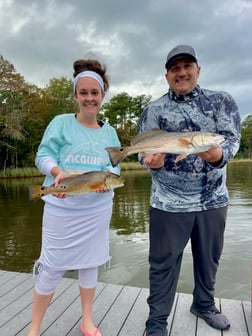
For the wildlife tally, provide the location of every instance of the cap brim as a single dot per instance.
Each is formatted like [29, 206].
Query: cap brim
[176, 57]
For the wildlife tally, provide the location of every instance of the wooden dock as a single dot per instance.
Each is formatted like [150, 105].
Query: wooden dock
[118, 310]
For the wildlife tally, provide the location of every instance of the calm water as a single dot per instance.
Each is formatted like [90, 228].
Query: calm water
[20, 232]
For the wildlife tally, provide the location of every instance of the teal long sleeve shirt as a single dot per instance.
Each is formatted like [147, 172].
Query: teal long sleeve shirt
[75, 149]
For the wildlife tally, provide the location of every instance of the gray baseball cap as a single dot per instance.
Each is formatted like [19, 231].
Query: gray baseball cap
[179, 51]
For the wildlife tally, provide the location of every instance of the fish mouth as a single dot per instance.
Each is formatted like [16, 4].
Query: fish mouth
[219, 139]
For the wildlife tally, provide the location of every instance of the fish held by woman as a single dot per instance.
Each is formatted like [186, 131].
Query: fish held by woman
[78, 185]
[160, 141]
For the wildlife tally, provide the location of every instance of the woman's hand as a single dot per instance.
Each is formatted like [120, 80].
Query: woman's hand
[58, 178]
[102, 190]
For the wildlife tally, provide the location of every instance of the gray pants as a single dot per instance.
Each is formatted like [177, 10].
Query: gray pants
[169, 233]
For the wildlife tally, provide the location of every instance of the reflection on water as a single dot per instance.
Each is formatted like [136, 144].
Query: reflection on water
[20, 233]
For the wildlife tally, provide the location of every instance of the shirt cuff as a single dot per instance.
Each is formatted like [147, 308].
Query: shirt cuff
[46, 164]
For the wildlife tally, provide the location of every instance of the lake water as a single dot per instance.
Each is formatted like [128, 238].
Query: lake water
[20, 233]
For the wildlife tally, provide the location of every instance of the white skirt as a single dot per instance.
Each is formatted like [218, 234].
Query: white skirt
[75, 242]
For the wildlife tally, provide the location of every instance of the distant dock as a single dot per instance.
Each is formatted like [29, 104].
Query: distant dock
[118, 310]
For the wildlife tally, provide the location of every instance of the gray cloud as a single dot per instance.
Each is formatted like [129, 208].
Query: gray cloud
[42, 38]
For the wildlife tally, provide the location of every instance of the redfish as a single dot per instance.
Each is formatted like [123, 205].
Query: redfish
[78, 184]
[160, 141]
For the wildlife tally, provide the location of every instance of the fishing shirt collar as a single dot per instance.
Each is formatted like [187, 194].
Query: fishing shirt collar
[184, 98]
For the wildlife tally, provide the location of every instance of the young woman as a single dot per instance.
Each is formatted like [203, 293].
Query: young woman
[75, 233]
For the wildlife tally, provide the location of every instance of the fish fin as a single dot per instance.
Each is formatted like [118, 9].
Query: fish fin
[181, 157]
[185, 142]
[35, 192]
[146, 134]
[95, 186]
[116, 154]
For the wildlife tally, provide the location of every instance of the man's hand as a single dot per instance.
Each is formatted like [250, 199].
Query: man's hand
[213, 155]
[154, 161]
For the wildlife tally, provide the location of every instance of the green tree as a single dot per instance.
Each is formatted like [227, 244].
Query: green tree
[117, 110]
[59, 92]
[122, 112]
[13, 107]
[246, 138]
[56, 98]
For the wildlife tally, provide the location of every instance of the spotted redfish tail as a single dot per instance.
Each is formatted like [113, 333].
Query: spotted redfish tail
[35, 193]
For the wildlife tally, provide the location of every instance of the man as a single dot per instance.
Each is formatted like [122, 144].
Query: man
[189, 198]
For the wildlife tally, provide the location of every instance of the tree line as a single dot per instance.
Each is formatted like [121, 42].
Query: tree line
[26, 110]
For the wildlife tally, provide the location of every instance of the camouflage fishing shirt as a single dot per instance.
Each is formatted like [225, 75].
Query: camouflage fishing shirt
[192, 184]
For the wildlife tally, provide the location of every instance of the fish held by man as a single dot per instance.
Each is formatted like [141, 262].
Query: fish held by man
[160, 141]
[78, 185]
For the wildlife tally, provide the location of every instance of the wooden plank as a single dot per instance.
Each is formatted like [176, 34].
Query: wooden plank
[20, 322]
[118, 312]
[103, 301]
[7, 276]
[183, 323]
[52, 324]
[68, 313]
[247, 308]
[234, 311]
[135, 323]
[15, 307]
[12, 283]
[172, 314]
[15, 293]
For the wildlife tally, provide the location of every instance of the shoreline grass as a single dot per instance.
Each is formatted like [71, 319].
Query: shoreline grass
[20, 172]
[34, 172]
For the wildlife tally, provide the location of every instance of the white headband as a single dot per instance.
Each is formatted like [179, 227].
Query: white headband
[91, 74]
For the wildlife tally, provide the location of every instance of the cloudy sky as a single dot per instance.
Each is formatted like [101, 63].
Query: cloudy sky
[42, 39]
